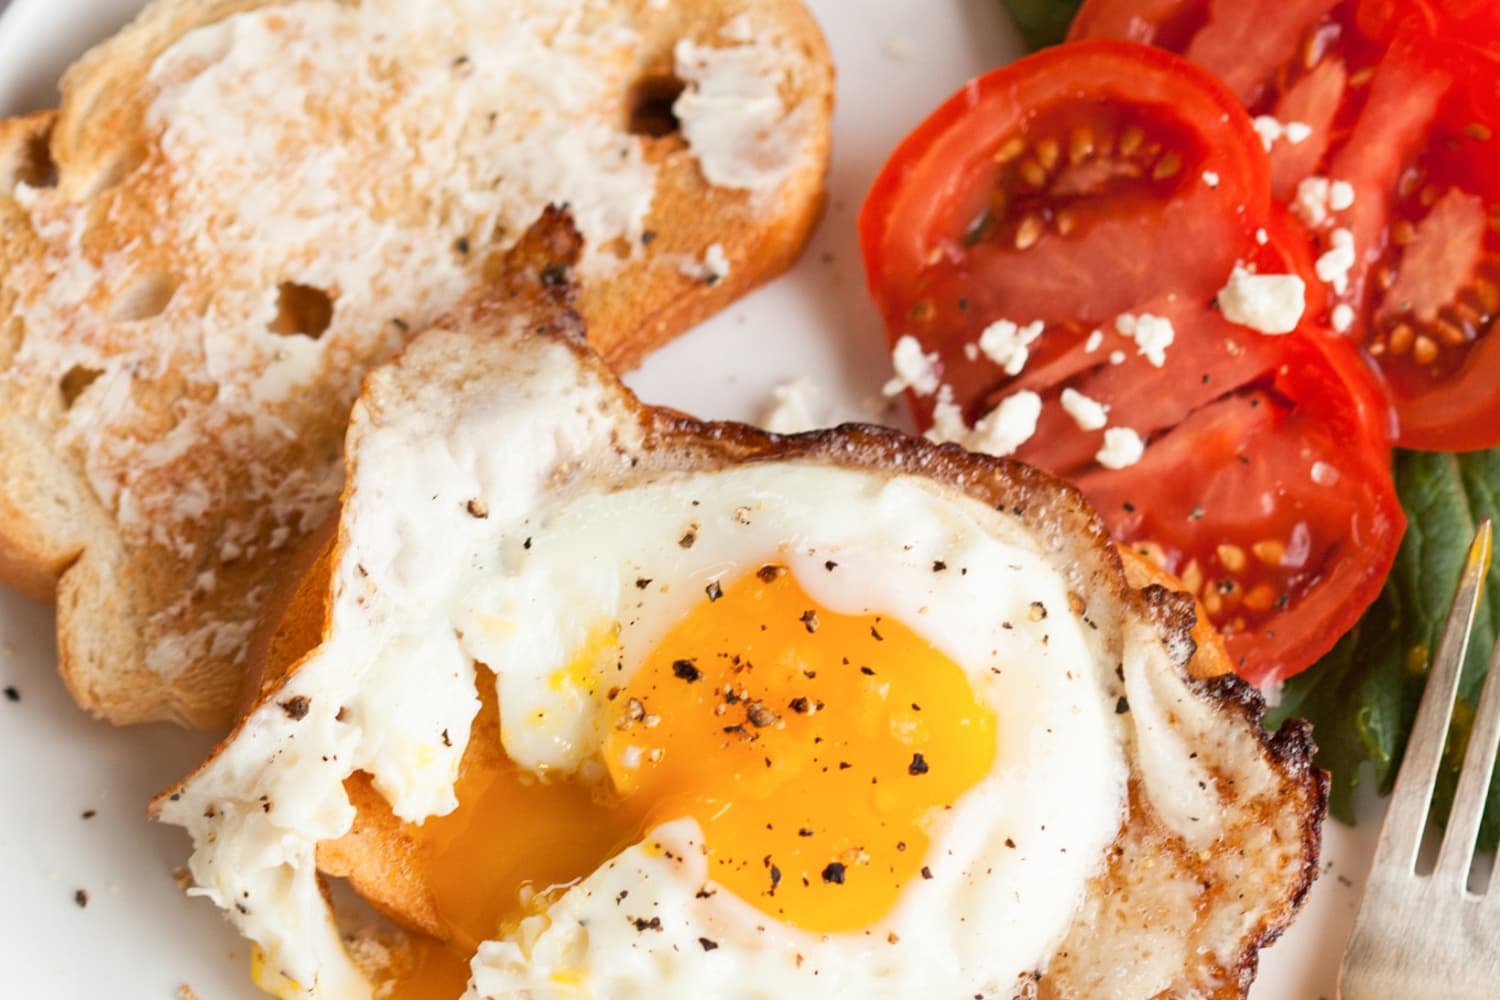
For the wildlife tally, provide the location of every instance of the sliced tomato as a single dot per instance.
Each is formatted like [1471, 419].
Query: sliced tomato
[1265, 477]
[1402, 102]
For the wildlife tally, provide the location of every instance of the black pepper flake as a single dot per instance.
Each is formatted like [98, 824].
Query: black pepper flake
[343, 714]
[526, 544]
[918, 765]
[775, 878]
[770, 573]
[844, 765]
[642, 582]
[714, 591]
[12, 694]
[708, 945]
[296, 707]
[938, 565]
[648, 237]
[926, 872]
[1038, 611]
[688, 537]
[867, 671]
[90, 813]
[804, 832]
[1121, 705]
[1129, 507]
[1010, 843]
[759, 715]
[461, 244]
[810, 620]
[833, 873]
[81, 897]
[446, 741]
[798, 705]
[401, 324]
[875, 634]
[642, 924]
[555, 275]
[1196, 514]
[684, 670]
[830, 565]
[477, 508]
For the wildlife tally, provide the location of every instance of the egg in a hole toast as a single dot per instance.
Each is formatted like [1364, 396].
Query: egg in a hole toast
[616, 702]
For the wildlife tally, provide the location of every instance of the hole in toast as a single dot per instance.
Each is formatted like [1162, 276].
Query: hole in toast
[650, 106]
[145, 297]
[301, 309]
[74, 381]
[30, 163]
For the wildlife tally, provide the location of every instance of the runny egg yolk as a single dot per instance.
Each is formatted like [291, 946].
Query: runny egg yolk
[813, 748]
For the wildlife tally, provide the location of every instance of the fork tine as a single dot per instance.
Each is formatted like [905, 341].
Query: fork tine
[1406, 815]
[1473, 784]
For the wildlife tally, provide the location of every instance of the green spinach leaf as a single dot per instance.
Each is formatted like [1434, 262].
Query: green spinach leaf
[1042, 22]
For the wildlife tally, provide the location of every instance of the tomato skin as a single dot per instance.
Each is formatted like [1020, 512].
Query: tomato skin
[1253, 420]
[1398, 94]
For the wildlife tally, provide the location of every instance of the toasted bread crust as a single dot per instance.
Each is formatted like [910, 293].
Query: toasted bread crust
[153, 616]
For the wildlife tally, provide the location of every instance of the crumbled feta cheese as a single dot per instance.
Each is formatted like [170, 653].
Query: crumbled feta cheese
[1324, 474]
[971, 351]
[947, 419]
[1007, 426]
[792, 407]
[1333, 266]
[1152, 335]
[1210, 178]
[1271, 131]
[1089, 414]
[1340, 195]
[1267, 303]
[914, 370]
[1008, 345]
[999, 432]
[1122, 447]
[1095, 339]
[1312, 200]
[1262, 237]
[1342, 317]
[1117, 357]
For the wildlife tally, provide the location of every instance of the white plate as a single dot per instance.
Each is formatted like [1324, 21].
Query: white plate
[139, 935]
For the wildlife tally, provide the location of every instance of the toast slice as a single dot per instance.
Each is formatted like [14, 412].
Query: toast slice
[243, 204]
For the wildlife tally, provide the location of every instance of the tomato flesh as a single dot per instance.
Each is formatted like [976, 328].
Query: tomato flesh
[1265, 479]
[1402, 103]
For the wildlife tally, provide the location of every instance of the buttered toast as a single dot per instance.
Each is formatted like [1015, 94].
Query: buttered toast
[241, 205]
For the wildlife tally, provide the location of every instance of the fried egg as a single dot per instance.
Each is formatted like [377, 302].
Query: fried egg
[682, 709]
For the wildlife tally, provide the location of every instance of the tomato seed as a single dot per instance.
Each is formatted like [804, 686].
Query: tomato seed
[1403, 233]
[1064, 222]
[1401, 338]
[1167, 166]
[1269, 551]
[1212, 602]
[1478, 132]
[1081, 145]
[1261, 597]
[1448, 333]
[1192, 577]
[1424, 351]
[1033, 173]
[1231, 557]
[1489, 295]
[1048, 152]
[1361, 77]
[1029, 231]
[1010, 149]
[1130, 140]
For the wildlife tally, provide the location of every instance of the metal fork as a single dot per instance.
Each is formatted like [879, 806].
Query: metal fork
[1427, 936]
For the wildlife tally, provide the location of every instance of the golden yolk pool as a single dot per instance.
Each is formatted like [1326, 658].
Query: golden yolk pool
[812, 748]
